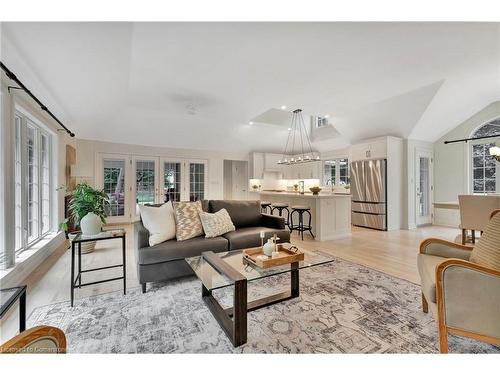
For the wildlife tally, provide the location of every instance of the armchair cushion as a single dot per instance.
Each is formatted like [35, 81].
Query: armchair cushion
[445, 249]
[427, 269]
[487, 250]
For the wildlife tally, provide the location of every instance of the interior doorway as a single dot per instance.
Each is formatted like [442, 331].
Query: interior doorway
[424, 187]
[236, 179]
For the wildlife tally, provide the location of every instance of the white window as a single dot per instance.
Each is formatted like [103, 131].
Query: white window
[32, 179]
[336, 172]
[485, 172]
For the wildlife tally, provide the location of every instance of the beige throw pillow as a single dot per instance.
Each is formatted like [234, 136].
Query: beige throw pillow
[187, 220]
[159, 221]
[216, 224]
[487, 250]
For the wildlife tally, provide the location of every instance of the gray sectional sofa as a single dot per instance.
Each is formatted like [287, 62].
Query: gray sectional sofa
[165, 261]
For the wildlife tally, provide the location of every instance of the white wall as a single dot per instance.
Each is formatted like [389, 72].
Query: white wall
[451, 163]
[86, 151]
[451, 167]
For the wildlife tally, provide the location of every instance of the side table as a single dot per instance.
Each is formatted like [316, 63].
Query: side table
[76, 250]
[7, 299]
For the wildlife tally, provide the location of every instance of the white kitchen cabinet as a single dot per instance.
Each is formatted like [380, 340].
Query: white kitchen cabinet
[271, 162]
[376, 149]
[256, 167]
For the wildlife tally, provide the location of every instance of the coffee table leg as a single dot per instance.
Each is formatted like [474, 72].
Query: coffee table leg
[22, 312]
[294, 275]
[240, 313]
[72, 271]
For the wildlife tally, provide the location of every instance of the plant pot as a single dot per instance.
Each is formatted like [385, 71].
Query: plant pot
[91, 224]
[87, 247]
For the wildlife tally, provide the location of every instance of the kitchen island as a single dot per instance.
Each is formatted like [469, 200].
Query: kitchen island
[331, 213]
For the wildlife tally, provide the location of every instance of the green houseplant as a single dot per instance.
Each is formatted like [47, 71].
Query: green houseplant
[84, 200]
[87, 210]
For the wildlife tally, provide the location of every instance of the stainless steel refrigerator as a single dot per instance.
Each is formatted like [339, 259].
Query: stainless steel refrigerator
[369, 193]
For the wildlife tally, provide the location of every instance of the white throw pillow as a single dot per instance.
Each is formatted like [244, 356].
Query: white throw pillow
[216, 224]
[159, 221]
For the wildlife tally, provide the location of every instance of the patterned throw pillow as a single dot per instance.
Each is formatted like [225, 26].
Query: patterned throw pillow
[187, 220]
[487, 250]
[216, 224]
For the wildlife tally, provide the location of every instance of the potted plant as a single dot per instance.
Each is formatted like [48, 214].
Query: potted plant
[87, 209]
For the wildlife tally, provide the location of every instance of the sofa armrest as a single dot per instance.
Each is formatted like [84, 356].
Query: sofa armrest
[141, 235]
[270, 221]
[445, 249]
[467, 297]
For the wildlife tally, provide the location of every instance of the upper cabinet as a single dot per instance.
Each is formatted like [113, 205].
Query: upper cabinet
[271, 162]
[267, 162]
[375, 149]
[256, 165]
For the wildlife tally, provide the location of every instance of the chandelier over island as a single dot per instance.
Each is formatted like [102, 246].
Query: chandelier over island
[297, 135]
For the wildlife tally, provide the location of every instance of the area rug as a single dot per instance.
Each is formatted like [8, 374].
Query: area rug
[342, 308]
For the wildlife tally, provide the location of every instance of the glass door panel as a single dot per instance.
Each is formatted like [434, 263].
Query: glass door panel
[114, 186]
[33, 184]
[172, 181]
[197, 180]
[145, 184]
[423, 189]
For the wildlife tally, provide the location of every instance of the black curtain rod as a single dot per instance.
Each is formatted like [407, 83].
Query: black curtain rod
[13, 77]
[471, 139]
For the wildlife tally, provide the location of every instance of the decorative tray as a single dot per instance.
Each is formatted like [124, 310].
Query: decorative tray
[286, 255]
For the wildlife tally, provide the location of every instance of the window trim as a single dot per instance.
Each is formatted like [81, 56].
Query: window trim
[29, 120]
[470, 158]
[337, 171]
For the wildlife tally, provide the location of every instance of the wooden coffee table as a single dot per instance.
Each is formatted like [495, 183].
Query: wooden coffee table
[229, 269]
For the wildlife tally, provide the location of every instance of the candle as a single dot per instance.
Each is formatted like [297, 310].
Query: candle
[262, 234]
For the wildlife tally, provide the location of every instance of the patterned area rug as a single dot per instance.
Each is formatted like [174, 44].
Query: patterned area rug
[343, 308]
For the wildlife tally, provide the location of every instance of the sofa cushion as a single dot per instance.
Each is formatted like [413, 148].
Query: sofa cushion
[187, 220]
[172, 250]
[159, 221]
[487, 250]
[216, 224]
[427, 269]
[243, 213]
[250, 237]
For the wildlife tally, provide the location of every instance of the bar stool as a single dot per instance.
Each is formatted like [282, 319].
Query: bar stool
[301, 227]
[264, 206]
[281, 207]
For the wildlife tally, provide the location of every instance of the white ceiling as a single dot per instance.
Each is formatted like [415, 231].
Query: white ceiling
[197, 85]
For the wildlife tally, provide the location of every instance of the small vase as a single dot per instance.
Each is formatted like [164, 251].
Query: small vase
[268, 247]
[91, 224]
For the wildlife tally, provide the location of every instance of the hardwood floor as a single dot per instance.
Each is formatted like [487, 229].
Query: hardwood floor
[393, 252]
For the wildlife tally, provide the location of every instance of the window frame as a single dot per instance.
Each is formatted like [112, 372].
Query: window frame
[40, 130]
[336, 180]
[470, 177]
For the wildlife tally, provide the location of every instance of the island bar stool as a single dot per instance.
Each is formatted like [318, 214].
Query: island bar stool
[301, 227]
[264, 206]
[281, 207]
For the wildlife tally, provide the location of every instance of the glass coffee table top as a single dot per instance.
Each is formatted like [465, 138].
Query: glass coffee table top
[214, 280]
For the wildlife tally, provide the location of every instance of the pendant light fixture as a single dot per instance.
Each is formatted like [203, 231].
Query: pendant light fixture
[298, 148]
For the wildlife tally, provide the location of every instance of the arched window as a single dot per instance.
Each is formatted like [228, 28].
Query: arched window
[485, 169]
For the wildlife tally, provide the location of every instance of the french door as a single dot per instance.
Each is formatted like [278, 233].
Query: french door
[132, 180]
[424, 187]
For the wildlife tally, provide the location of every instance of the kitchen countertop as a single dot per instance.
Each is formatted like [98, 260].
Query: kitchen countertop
[321, 195]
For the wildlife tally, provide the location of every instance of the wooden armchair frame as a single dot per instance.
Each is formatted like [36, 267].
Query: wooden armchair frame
[21, 341]
[443, 329]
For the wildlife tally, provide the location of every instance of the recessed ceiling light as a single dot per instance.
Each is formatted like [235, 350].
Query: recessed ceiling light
[250, 123]
[289, 129]
[283, 107]
[326, 116]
